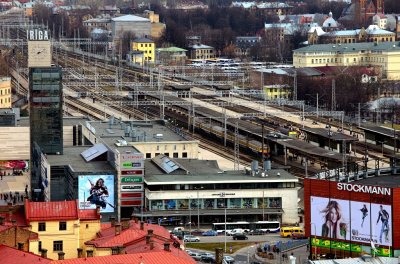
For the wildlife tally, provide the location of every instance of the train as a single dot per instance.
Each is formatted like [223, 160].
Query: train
[252, 145]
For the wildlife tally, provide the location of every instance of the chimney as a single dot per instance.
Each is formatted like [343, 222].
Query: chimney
[20, 246]
[114, 250]
[121, 250]
[80, 252]
[9, 211]
[61, 255]
[98, 210]
[112, 220]
[1, 220]
[44, 253]
[125, 223]
[89, 253]
[141, 225]
[150, 232]
[166, 247]
[136, 220]
[117, 229]
[148, 239]
[151, 245]
[14, 222]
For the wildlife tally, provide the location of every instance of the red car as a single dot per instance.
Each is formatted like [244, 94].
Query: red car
[298, 236]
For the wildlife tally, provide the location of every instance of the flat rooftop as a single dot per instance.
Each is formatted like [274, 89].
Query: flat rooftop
[334, 135]
[140, 132]
[207, 172]
[391, 181]
[67, 121]
[386, 131]
[72, 157]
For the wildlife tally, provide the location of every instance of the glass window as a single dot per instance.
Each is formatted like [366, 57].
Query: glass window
[62, 226]
[170, 204]
[148, 155]
[275, 202]
[42, 227]
[157, 205]
[262, 202]
[184, 155]
[58, 245]
[183, 204]
[247, 202]
[234, 203]
[175, 155]
[221, 203]
[209, 203]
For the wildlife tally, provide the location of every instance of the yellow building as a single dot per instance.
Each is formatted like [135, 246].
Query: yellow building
[278, 91]
[61, 226]
[383, 55]
[157, 28]
[5, 92]
[147, 47]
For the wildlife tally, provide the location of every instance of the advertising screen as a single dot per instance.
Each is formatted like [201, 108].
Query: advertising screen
[351, 220]
[96, 190]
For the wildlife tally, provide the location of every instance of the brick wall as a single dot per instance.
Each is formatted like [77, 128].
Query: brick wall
[14, 235]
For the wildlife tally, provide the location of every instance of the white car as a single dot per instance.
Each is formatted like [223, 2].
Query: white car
[191, 238]
[229, 259]
[235, 231]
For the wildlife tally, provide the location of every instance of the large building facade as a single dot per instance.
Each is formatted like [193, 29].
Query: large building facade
[384, 55]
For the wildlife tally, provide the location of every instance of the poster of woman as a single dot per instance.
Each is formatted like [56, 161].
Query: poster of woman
[96, 190]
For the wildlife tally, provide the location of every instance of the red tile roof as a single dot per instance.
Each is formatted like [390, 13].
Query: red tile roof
[147, 258]
[134, 239]
[42, 211]
[12, 255]
[17, 213]
[89, 214]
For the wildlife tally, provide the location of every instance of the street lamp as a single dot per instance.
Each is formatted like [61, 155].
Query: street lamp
[198, 206]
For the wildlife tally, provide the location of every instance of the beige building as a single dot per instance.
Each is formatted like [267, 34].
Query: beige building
[316, 35]
[383, 55]
[5, 92]
[201, 52]
[157, 28]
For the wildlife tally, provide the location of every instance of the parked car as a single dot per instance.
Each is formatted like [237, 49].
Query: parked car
[240, 236]
[256, 232]
[298, 236]
[210, 233]
[229, 259]
[195, 256]
[191, 238]
[208, 257]
[181, 234]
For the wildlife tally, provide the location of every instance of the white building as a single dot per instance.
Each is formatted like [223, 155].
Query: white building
[140, 26]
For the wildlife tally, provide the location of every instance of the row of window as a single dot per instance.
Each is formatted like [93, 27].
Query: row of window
[336, 60]
[6, 91]
[219, 203]
[221, 186]
[62, 226]
[174, 155]
[7, 100]
[146, 45]
[57, 245]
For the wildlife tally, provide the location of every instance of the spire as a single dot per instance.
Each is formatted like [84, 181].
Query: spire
[330, 14]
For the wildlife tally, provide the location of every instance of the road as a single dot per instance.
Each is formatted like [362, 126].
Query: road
[246, 254]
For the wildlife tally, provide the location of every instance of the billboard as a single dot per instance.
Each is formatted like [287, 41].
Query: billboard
[351, 220]
[96, 190]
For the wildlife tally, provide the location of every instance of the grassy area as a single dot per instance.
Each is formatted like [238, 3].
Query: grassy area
[212, 246]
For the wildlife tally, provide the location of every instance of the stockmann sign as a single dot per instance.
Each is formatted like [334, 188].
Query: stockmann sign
[131, 179]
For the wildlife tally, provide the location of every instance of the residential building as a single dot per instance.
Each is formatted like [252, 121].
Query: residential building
[110, 10]
[137, 25]
[383, 55]
[5, 92]
[98, 23]
[278, 91]
[271, 8]
[201, 52]
[146, 47]
[316, 35]
[380, 20]
[187, 190]
[244, 44]
[157, 28]
[60, 226]
[171, 56]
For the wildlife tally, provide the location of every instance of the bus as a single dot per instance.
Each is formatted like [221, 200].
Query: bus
[220, 227]
[288, 231]
[265, 226]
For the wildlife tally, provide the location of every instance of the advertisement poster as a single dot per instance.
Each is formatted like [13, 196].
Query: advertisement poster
[14, 165]
[350, 220]
[96, 190]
